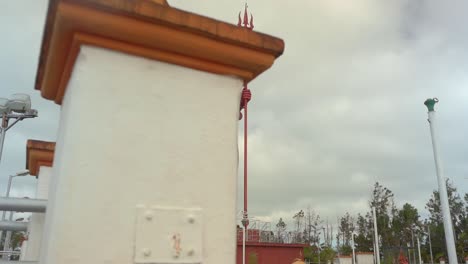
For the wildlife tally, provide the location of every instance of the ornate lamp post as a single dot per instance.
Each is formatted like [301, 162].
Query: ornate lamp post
[448, 227]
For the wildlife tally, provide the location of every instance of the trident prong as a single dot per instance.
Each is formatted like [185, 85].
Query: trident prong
[245, 22]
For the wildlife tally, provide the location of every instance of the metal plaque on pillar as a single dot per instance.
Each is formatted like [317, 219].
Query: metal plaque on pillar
[168, 235]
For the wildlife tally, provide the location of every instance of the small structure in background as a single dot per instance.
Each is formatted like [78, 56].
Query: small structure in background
[342, 259]
[298, 261]
[263, 247]
[365, 257]
[271, 253]
[361, 258]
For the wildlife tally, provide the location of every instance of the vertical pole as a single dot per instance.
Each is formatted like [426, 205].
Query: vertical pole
[353, 246]
[245, 158]
[430, 244]
[412, 245]
[246, 95]
[246, 221]
[324, 236]
[318, 254]
[419, 250]
[376, 235]
[243, 244]
[2, 139]
[3, 127]
[328, 234]
[373, 247]
[5, 244]
[448, 228]
[6, 195]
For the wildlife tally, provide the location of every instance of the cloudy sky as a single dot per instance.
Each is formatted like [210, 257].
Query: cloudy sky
[341, 109]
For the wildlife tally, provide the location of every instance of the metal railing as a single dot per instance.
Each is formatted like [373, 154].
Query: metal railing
[13, 226]
[18, 262]
[23, 205]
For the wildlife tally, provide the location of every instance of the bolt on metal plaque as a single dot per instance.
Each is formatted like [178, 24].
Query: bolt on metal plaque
[168, 235]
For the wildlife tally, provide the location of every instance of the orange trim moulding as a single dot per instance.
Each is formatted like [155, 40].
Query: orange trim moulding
[151, 30]
[39, 153]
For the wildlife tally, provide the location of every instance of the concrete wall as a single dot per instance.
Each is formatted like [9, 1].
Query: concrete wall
[32, 247]
[141, 132]
[345, 260]
[365, 258]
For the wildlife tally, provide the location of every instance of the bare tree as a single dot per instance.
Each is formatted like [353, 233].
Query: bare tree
[280, 231]
[298, 217]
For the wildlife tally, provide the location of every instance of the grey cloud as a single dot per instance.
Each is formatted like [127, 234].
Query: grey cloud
[21, 26]
[339, 110]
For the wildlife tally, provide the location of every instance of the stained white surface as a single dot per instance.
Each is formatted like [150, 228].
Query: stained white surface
[31, 250]
[136, 131]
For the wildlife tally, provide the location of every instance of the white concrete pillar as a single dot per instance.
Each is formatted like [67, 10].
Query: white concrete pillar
[154, 134]
[145, 164]
[31, 249]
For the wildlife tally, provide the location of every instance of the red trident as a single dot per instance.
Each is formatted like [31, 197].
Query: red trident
[245, 23]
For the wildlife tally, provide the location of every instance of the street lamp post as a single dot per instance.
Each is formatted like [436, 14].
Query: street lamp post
[17, 107]
[419, 250]
[430, 243]
[6, 244]
[319, 250]
[377, 253]
[353, 247]
[412, 244]
[376, 233]
[448, 227]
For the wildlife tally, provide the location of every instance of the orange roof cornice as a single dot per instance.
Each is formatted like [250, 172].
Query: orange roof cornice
[39, 153]
[148, 29]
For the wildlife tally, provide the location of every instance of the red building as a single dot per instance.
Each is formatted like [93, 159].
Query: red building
[261, 252]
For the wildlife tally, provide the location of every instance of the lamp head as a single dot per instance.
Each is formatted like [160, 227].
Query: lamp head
[20, 103]
[4, 106]
[430, 103]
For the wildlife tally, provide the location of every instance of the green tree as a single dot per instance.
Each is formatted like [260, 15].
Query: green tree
[364, 231]
[459, 213]
[406, 223]
[462, 240]
[382, 200]
[345, 231]
[314, 254]
[456, 204]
